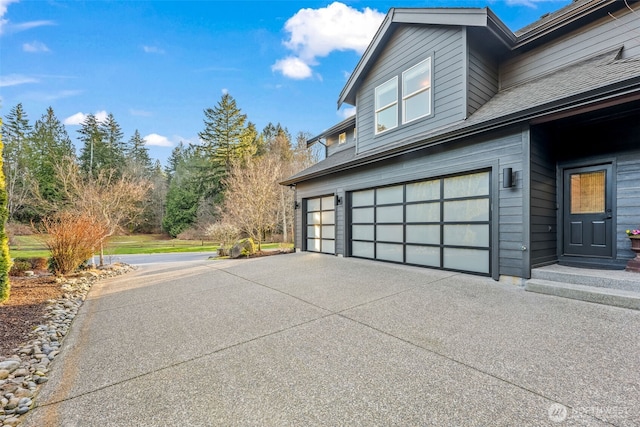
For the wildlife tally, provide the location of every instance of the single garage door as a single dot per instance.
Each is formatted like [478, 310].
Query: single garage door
[321, 225]
[442, 223]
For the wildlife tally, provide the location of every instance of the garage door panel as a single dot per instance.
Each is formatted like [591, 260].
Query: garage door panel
[441, 223]
[320, 224]
[429, 256]
[476, 260]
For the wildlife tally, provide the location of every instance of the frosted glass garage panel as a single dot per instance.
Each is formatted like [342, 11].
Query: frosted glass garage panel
[423, 255]
[328, 246]
[389, 252]
[389, 233]
[362, 215]
[362, 249]
[313, 231]
[313, 218]
[476, 260]
[328, 203]
[313, 204]
[426, 190]
[427, 234]
[467, 235]
[328, 217]
[362, 232]
[476, 184]
[313, 245]
[390, 214]
[423, 212]
[362, 198]
[467, 210]
[328, 232]
[389, 195]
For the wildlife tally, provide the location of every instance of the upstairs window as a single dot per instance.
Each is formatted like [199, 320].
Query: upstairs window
[387, 106]
[416, 91]
[342, 138]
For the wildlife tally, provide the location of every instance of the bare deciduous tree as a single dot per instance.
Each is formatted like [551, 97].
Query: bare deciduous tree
[252, 197]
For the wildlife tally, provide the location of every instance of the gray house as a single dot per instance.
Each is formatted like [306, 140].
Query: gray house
[481, 150]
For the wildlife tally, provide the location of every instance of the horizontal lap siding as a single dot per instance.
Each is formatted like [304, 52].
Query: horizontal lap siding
[483, 78]
[409, 45]
[505, 148]
[603, 35]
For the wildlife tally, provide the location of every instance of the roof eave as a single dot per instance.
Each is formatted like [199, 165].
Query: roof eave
[469, 17]
[617, 90]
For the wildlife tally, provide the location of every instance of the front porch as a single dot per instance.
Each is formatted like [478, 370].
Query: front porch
[610, 287]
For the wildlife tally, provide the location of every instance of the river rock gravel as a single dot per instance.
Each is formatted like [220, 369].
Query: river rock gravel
[22, 373]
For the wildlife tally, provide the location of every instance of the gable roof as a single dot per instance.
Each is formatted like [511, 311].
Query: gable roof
[550, 25]
[603, 78]
[468, 17]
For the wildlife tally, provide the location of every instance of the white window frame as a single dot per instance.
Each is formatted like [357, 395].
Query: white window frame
[406, 97]
[379, 109]
[342, 138]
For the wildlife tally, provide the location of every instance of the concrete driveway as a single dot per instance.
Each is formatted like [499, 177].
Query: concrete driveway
[309, 339]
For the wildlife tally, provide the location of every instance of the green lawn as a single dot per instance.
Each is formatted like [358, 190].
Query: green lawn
[34, 246]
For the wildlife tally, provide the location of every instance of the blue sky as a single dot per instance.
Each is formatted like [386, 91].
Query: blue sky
[156, 65]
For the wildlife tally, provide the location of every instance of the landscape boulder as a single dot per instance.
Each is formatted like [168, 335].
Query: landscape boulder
[243, 248]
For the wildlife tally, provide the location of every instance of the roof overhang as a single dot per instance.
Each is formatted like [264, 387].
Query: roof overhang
[344, 125]
[461, 17]
[611, 95]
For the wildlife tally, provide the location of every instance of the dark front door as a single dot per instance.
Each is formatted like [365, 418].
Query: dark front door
[587, 211]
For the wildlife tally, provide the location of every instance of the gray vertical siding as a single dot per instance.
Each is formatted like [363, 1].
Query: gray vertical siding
[497, 151]
[483, 77]
[603, 35]
[628, 200]
[544, 214]
[409, 45]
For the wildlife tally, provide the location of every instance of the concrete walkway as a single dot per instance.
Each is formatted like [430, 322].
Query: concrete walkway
[309, 339]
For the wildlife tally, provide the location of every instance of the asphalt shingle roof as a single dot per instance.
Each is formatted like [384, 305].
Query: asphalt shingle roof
[565, 86]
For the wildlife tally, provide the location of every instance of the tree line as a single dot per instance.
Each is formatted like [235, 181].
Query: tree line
[229, 178]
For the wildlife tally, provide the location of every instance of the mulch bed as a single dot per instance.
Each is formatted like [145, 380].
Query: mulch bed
[25, 309]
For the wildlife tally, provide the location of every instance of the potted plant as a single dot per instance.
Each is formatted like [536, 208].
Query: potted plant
[634, 264]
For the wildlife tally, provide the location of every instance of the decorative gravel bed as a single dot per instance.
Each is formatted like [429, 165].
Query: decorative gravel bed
[26, 369]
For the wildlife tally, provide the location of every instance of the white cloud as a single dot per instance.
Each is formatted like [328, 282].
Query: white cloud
[16, 79]
[347, 112]
[225, 91]
[140, 113]
[155, 140]
[292, 67]
[3, 9]
[51, 96]
[153, 49]
[35, 47]
[315, 33]
[80, 117]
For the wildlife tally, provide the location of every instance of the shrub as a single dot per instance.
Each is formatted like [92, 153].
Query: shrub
[73, 239]
[5, 259]
[223, 233]
[19, 267]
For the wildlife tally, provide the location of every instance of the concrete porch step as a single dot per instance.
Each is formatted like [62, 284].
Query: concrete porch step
[599, 295]
[608, 279]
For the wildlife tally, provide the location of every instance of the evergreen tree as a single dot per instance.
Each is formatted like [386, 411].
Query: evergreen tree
[16, 132]
[50, 146]
[94, 151]
[138, 160]
[227, 135]
[183, 194]
[115, 152]
[5, 259]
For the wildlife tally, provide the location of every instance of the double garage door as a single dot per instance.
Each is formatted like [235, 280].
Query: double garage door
[441, 223]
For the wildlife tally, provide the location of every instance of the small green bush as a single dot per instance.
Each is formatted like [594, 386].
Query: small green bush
[19, 267]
